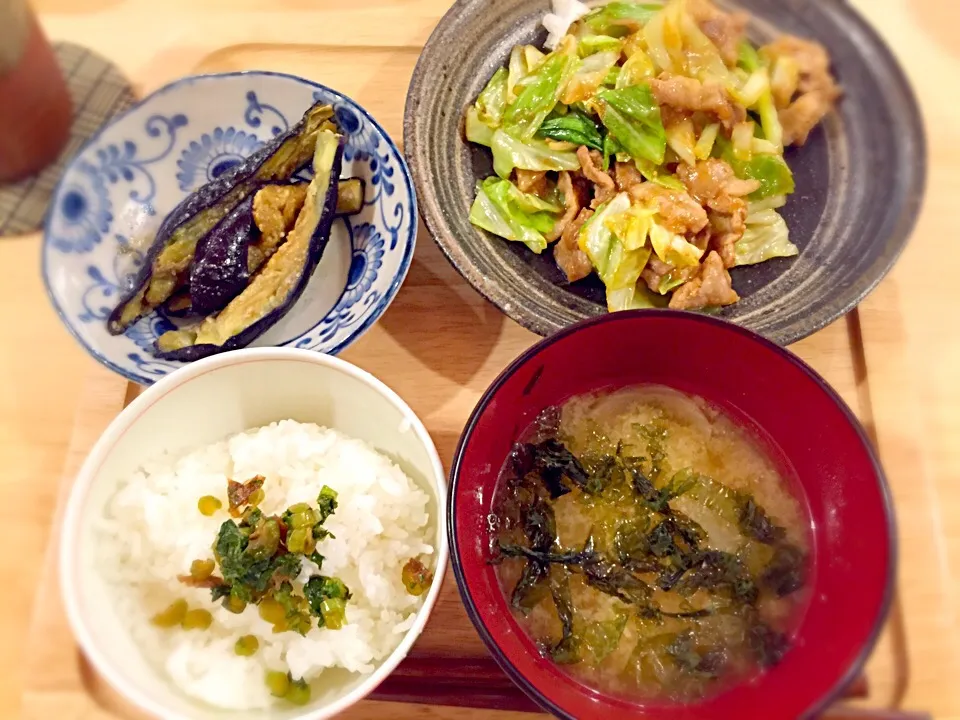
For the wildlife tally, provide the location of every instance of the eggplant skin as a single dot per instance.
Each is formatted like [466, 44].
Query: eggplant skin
[178, 345]
[167, 262]
[350, 195]
[219, 270]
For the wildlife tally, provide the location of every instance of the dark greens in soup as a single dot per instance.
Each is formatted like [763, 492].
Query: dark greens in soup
[649, 544]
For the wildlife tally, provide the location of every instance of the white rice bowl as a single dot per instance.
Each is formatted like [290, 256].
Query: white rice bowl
[151, 531]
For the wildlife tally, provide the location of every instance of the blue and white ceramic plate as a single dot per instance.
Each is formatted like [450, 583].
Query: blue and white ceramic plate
[115, 193]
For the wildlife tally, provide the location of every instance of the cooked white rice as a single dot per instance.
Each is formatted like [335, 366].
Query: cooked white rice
[152, 531]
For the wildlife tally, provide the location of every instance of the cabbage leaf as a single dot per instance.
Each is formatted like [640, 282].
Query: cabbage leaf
[502, 209]
[589, 75]
[590, 44]
[524, 59]
[637, 297]
[616, 266]
[766, 236]
[772, 172]
[673, 249]
[538, 96]
[618, 19]
[632, 226]
[476, 130]
[510, 153]
[635, 70]
[632, 115]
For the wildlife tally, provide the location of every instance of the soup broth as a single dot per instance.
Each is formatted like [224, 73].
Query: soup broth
[650, 545]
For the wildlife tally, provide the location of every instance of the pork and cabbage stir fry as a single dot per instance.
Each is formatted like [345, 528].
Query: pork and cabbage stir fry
[646, 145]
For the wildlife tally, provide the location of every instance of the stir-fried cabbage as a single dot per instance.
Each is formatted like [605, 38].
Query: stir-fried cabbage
[635, 70]
[620, 18]
[766, 237]
[524, 59]
[599, 88]
[632, 226]
[492, 102]
[591, 44]
[510, 153]
[632, 115]
[589, 76]
[617, 266]
[637, 297]
[504, 210]
[673, 249]
[538, 96]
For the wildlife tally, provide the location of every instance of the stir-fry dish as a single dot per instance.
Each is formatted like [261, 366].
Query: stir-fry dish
[235, 256]
[649, 545]
[645, 143]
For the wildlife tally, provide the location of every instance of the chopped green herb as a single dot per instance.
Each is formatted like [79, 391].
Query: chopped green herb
[327, 502]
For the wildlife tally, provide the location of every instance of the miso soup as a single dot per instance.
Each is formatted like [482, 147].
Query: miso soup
[650, 544]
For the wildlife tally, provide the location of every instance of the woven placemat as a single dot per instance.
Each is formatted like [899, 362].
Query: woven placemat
[99, 91]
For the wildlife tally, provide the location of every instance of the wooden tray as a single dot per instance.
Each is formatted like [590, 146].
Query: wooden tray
[441, 371]
[439, 346]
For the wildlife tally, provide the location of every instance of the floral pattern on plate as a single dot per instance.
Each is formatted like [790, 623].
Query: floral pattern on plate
[115, 193]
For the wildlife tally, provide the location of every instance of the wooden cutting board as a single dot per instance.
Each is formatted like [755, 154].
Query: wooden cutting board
[440, 345]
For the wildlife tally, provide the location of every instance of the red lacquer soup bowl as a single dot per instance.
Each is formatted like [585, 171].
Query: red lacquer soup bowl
[852, 529]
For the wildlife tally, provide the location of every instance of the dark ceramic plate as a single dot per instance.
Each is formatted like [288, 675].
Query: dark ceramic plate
[860, 177]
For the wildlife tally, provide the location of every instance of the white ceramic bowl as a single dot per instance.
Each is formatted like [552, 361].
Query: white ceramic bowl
[203, 403]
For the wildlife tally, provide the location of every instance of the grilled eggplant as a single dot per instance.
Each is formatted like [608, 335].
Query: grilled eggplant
[219, 271]
[282, 279]
[350, 196]
[274, 211]
[165, 268]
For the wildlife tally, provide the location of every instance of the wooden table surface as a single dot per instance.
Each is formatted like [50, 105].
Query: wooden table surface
[907, 376]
